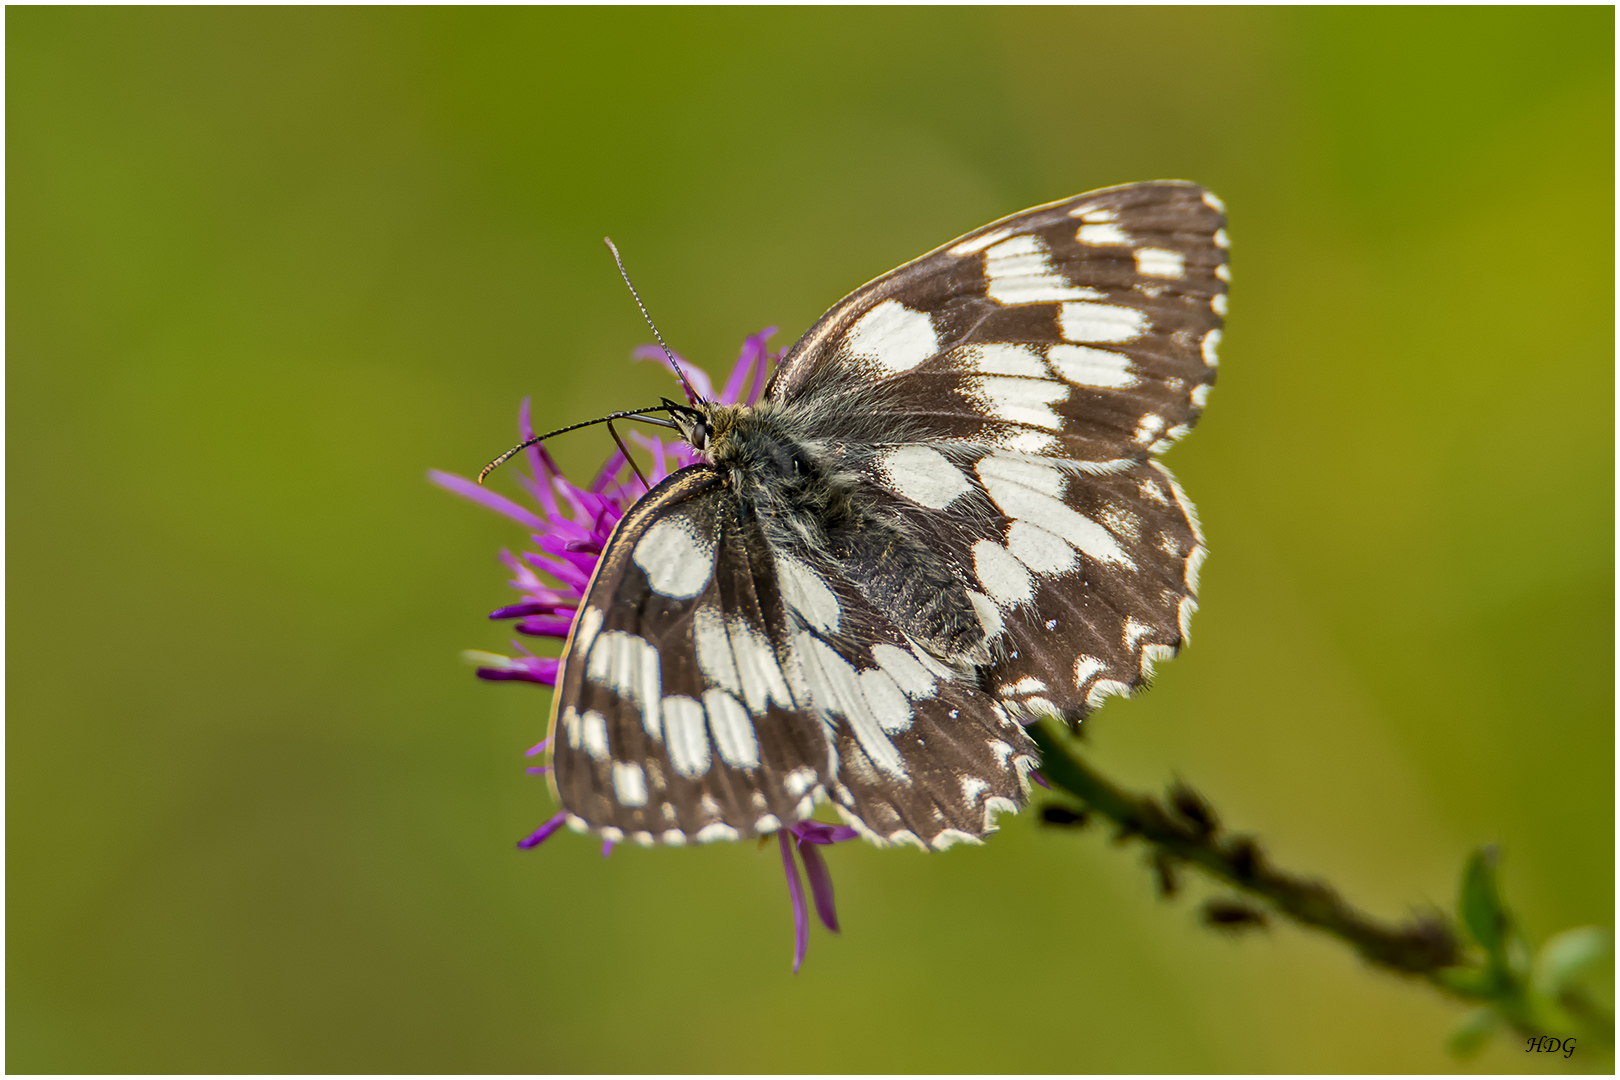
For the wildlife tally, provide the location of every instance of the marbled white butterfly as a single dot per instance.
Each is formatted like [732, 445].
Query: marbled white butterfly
[944, 518]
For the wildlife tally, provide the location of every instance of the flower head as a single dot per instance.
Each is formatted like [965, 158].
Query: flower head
[569, 526]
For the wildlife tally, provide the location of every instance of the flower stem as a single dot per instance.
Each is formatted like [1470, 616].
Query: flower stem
[1184, 829]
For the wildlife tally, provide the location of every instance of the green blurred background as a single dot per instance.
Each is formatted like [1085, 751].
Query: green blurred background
[267, 266]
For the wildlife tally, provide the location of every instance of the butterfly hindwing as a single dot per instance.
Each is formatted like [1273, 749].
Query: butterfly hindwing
[1081, 581]
[923, 756]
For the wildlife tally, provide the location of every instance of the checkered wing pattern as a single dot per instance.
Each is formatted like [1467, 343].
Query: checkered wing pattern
[1027, 375]
[716, 688]
[945, 516]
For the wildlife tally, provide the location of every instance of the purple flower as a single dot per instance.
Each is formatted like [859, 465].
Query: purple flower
[807, 836]
[569, 526]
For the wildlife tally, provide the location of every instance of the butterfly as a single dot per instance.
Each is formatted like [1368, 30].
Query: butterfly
[943, 519]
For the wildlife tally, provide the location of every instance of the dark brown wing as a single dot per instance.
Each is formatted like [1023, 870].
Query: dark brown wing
[1030, 372]
[715, 689]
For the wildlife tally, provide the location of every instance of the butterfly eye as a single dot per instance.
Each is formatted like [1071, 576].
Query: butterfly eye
[693, 425]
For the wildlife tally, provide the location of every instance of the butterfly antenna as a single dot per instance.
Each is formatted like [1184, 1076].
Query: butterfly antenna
[630, 414]
[691, 395]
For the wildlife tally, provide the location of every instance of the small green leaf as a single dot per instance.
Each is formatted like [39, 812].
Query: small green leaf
[1471, 1034]
[1468, 982]
[1565, 956]
[1479, 904]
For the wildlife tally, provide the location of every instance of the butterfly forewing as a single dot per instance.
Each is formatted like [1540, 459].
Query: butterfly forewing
[1087, 328]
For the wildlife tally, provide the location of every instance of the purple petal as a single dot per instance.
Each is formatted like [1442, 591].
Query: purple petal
[498, 676]
[821, 887]
[814, 832]
[538, 748]
[694, 374]
[541, 467]
[660, 467]
[752, 365]
[1035, 775]
[801, 924]
[557, 569]
[550, 627]
[587, 505]
[607, 848]
[564, 547]
[538, 770]
[536, 669]
[539, 835]
[604, 478]
[518, 611]
[563, 528]
[586, 562]
[526, 581]
[485, 498]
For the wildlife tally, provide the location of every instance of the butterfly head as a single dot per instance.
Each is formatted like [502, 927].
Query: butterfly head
[695, 423]
[750, 441]
[714, 428]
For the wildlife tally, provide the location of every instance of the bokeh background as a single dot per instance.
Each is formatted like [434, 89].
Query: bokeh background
[268, 266]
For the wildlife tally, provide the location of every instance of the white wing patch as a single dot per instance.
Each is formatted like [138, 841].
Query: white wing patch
[886, 701]
[1089, 322]
[1104, 234]
[904, 668]
[1019, 401]
[676, 559]
[807, 594]
[590, 621]
[1003, 576]
[714, 649]
[799, 781]
[1020, 490]
[1085, 366]
[757, 667]
[593, 734]
[1038, 549]
[733, 731]
[1020, 271]
[1000, 358]
[1035, 475]
[835, 688]
[1160, 262]
[629, 783]
[894, 337]
[687, 736]
[1085, 669]
[924, 475]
